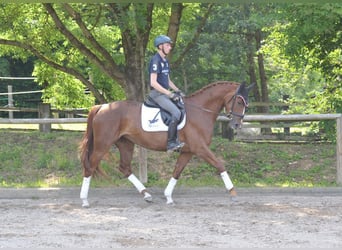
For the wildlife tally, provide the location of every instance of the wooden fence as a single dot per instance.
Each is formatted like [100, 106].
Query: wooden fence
[248, 118]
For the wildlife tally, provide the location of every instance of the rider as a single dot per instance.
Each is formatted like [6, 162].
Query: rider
[162, 86]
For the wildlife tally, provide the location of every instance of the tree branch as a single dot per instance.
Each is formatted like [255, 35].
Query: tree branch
[194, 39]
[89, 36]
[114, 73]
[57, 66]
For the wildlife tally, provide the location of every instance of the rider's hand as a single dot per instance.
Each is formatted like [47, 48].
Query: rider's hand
[180, 93]
[174, 97]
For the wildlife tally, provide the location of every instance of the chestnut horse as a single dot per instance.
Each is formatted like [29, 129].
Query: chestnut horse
[119, 123]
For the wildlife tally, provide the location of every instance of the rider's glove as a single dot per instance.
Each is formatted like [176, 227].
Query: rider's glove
[180, 93]
[174, 97]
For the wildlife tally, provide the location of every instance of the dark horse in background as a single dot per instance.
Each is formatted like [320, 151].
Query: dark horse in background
[119, 123]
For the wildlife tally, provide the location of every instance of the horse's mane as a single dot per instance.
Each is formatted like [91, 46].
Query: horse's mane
[211, 85]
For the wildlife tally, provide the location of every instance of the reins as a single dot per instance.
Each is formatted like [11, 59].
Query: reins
[203, 109]
[230, 113]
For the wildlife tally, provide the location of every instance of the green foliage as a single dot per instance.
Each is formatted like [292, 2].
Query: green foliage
[304, 60]
[31, 158]
[219, 52]
[32, 26]
[301, 48]
[4, 67]
[61, 90]
[317, 48]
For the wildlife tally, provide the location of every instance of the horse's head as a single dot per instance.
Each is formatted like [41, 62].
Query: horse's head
[237, 104]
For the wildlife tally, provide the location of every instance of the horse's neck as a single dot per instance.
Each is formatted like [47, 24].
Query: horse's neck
[212, 100]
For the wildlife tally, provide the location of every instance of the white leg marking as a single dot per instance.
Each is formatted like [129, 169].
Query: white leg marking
[84, 191]
[140, 187]
[227, 182]
[136, 182]
[169, 190]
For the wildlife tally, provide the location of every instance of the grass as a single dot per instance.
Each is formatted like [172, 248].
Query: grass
[29, 158]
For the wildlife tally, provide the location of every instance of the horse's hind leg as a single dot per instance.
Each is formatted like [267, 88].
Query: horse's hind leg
[126, 149]
[95, 159]
[85, 190]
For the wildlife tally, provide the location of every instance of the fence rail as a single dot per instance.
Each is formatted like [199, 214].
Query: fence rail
[248, 118]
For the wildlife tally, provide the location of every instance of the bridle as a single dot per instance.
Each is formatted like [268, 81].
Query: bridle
[231, 112]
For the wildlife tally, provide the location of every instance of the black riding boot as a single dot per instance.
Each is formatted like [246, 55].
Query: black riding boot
[172, 140]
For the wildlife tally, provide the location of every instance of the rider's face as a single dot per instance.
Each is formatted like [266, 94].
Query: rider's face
[166, 48]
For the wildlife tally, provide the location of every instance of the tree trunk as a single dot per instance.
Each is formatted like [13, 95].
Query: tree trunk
[134, 42]
[262, 74]
[251, 67]
[174, 23]
[263, 79]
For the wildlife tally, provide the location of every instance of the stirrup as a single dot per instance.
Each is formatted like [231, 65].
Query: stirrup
[176, 146]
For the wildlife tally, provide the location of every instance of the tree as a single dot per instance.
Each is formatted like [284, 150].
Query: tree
[230, 47]
[103, 46]
[305, 58]
[320, 47]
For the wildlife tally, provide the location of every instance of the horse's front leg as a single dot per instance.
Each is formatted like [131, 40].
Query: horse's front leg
[182, 161]
[209, 157]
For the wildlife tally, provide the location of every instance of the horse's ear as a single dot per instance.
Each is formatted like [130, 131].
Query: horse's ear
[242, 86]
[251, 86]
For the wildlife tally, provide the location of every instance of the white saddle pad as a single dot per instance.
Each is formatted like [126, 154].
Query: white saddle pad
[151, 120]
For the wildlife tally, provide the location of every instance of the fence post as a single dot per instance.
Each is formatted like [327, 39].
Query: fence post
[286, 108]
[142, 164]
[227, 131]
[339, 149]
[44, 111]
[10, 101]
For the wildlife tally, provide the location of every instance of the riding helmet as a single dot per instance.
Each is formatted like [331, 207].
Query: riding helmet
[162, 39]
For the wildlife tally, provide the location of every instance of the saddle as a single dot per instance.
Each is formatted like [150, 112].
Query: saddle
[154, 118]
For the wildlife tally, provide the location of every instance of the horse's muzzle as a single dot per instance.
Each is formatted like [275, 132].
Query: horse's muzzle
[235, 124]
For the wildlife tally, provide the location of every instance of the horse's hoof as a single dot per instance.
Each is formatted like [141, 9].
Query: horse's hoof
[234, 198]
[85, 204]
[147, 197]
[169, 201]
[233, 195]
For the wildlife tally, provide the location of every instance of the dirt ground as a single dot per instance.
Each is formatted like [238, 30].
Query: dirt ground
[201, 218]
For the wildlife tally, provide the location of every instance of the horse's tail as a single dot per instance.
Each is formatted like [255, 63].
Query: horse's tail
[86, 144]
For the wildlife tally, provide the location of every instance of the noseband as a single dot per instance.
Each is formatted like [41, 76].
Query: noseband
[231, 112]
